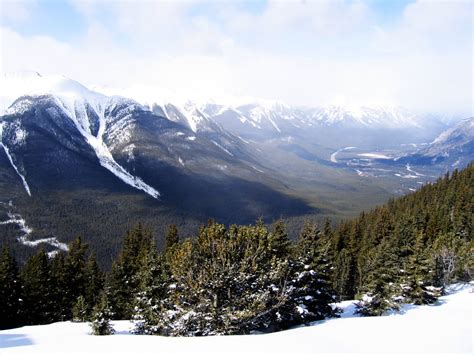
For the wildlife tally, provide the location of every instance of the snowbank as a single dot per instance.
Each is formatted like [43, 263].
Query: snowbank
[445, 327]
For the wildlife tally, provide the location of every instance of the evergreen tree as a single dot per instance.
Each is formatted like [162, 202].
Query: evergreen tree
[383, 291]
[79, 310]
[39, 307]
[10, 291]
[59, 288]
[123, 282]
[344, 281]
[279, 243]
[172, 237]
[74, 273]
[313, 294]
[101, 317]
[151, 290]
[94, 283]
[417, 288]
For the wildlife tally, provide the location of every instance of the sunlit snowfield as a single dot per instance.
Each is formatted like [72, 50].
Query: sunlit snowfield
[445, 327]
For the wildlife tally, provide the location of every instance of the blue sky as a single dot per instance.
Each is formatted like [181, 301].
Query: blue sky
[63, 20]
[415, 53]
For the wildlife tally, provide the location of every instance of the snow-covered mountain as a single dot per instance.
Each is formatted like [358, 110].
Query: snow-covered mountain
[78, 152]
[69, 151]
[266, 119]
[455, 145]
[369, 116]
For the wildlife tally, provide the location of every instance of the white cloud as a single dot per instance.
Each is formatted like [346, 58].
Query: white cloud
[16, 11]
[302, 53]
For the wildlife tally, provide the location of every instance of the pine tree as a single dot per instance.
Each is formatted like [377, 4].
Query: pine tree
[123, 282]
[311, 280]
[101, 317]
[418, 288]
[39, 307]
[383, 291]
[147, 300]
[74, 273]
[94, 283]
[344, 281]
[59, 288]
[10, 291]
[79, 310]
[279, 243]
[172, 237]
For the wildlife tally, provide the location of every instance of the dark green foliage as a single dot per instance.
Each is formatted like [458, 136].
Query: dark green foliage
[38, 295]
[245, 278]
[79, 310]
[10, 292]
[279, 243]
[101, 316]
[123, 281]
[59, 287]
[313, 280]
[94, 283]
[241, 279]
[74, 274]
[151, 290]
[382, 291]
[172, 237]
[406, 249]
[418, 287]
[344, 276]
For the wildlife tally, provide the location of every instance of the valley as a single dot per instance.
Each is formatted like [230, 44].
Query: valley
[74, 161]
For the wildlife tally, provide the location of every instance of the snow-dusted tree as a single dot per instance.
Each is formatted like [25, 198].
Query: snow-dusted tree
[146, 313]
[79, 310]
[418, 285]
[101, 317]
[383, 290]
[10, 291]
[312, 276]
[123, 282]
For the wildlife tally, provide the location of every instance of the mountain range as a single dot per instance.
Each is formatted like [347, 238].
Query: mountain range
[94, 161]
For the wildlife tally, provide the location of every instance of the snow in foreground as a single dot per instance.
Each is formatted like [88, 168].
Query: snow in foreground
[442, 328]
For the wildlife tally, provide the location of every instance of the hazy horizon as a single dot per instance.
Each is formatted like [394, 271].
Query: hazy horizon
[414, 54]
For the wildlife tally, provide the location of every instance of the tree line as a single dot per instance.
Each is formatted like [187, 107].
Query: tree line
[242, 279]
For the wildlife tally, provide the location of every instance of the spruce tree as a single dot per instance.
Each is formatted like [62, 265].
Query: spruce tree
[10, 291]
[79, 310]
[418, 287]
[383, 291]
[172, 237]
[123, 282]
[101, 317]
[94, 283]
[313, 293]
[39, 307]
[279, 244]
[146, 313]
[59, 288]
[74, 272]
[344, 281]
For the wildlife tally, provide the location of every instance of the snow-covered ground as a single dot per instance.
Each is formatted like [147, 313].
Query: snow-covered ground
[445, 327]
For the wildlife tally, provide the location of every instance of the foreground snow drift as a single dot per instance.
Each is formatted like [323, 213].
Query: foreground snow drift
[445, 327]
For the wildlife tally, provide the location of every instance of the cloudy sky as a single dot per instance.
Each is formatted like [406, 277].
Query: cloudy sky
[418, 54]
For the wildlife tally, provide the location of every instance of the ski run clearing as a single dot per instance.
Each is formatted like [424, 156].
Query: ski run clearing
[445, 327]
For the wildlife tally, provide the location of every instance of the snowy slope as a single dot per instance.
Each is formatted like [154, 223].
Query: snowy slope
[166, 103]
[263, 114]
[457, 137]
[445, 327]
[368, 116]
[83, 106]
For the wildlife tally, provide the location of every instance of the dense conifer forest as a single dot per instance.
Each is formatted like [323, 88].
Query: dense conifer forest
[242, 279]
